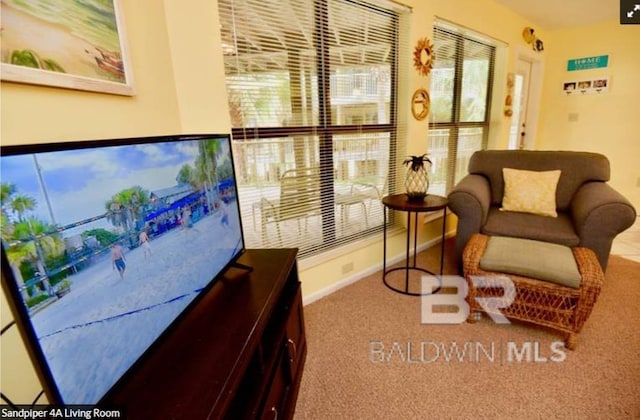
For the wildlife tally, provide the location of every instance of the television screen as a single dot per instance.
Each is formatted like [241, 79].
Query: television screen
[106, 243]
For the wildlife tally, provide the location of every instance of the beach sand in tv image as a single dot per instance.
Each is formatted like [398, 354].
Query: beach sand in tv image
[168, 210]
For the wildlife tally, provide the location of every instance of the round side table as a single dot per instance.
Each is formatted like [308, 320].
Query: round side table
[401, 202]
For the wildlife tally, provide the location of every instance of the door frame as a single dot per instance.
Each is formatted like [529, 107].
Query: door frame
[534, 95]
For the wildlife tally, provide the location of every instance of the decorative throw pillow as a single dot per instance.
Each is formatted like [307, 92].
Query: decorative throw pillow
[530, 191]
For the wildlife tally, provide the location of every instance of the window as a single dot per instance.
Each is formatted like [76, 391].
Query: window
[461, 83]
[312, 97]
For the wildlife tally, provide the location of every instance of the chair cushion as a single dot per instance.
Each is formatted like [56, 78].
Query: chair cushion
[534, 259]
[557, 230]
[530, 191]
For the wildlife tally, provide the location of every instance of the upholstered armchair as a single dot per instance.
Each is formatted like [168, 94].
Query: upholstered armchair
[586, 211]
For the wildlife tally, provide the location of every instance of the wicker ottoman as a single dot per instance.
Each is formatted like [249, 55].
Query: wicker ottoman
[538, 301]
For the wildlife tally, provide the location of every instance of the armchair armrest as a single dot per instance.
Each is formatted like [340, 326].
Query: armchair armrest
[471, 198]
[599, 214]
[470, 201]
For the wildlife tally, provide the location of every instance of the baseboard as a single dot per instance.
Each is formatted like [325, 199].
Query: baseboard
[312, 297]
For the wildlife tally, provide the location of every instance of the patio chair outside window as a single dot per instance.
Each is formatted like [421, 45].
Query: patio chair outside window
[361, 194]
[299, 200]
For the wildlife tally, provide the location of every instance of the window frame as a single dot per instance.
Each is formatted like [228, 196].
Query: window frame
[455, 125]
[325, 130]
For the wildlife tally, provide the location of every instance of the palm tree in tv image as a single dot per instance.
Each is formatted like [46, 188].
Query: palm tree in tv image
[21, 204]
[41, 246]
[30, 243]
[126, 209]
[206, 164]
[6, 191]
[187, 176]
[202, 175]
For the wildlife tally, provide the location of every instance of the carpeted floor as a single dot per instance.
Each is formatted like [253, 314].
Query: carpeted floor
[369, 357]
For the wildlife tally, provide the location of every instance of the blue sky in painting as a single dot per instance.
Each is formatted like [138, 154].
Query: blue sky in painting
[80, 182]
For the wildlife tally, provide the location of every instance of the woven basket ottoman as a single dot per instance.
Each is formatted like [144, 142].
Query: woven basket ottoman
[543, 302]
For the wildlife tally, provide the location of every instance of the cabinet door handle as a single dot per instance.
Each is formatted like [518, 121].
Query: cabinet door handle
[275, 412]
[295, 350]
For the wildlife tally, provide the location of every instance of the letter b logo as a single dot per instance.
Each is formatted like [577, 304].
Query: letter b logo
[453, 308]
[444, 303]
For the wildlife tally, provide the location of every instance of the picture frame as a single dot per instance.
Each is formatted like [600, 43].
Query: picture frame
[66, 44]
[591, 86]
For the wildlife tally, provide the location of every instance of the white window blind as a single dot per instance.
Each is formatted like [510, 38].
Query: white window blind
[461, 84]
[311, 86]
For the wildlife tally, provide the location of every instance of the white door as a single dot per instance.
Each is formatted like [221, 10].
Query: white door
[518, 138]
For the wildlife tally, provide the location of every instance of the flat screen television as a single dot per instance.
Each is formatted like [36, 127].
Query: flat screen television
[105, 244]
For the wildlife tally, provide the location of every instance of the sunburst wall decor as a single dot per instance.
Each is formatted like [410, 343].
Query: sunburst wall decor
[423, 56]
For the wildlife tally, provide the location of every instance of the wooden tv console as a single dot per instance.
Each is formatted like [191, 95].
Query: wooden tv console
[238, 354]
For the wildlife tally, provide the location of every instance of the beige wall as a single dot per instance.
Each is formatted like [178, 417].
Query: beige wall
[606, 123]
[485, 17]
[35, 114]
[179, 83]
[178, 76]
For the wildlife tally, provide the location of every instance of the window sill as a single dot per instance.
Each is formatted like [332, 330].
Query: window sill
[315, 260]
[430, 217]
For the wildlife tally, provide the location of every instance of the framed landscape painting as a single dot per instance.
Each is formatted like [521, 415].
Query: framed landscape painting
[66, 43]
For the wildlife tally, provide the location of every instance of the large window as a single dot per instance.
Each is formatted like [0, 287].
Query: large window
[311, 91]
[461, 83]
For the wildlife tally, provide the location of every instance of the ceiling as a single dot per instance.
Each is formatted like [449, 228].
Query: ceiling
[557, 14]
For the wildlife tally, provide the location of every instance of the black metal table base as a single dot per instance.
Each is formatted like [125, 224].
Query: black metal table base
[408, 267]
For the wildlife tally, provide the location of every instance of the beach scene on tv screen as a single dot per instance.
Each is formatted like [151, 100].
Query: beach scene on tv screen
[108, 245]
